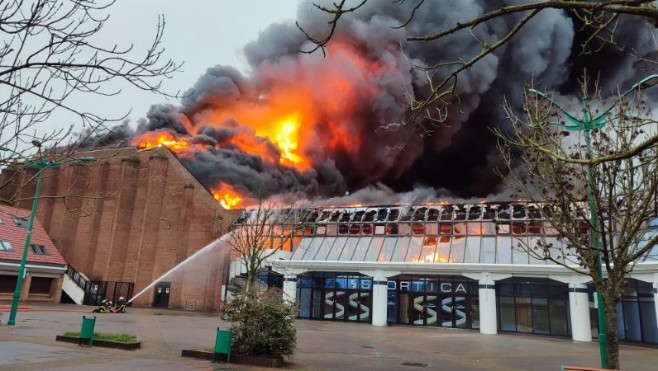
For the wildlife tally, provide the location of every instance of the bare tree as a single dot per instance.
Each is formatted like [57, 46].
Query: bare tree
[599, 19]
[50, 54]
[263, 230]
[251, 239]
[598, 209]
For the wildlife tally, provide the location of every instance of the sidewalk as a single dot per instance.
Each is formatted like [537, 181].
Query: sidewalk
[31, 345]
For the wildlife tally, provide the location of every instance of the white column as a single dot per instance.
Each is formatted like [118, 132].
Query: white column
[290, 287]
[488, 316]
[379, 300]
[579, 312]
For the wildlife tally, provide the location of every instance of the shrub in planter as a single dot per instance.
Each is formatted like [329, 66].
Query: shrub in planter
[262, 324]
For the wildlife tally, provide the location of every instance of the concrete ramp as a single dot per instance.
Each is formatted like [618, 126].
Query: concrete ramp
[71, 288]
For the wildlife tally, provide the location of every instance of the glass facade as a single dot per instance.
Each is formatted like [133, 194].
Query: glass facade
[533, 305]
[335, 296]
[480, 233]
[637, 313]
[443, 301]
[485, 233]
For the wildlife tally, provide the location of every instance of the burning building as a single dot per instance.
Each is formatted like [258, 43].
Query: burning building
[331, 130]
[446, 265]
[126, 219]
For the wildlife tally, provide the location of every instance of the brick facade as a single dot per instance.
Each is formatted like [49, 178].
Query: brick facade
[132, 216]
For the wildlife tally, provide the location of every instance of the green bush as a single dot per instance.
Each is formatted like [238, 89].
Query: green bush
[263, 324]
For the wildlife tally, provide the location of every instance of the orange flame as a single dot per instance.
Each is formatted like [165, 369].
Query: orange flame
[227, 196]
[152, 139]
[433, 258]
[286, 139]
[286, 119]
[296, 121]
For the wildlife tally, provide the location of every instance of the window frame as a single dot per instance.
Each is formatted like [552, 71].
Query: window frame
[38, 249]
[20, 222]
[6, 246]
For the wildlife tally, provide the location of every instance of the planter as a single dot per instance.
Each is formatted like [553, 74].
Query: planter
[241, 359]
[101, 343]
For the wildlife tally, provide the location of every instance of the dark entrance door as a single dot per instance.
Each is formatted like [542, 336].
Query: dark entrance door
[161, 297]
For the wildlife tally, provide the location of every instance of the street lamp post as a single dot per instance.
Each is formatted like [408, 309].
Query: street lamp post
[586, 125]
[41, 166]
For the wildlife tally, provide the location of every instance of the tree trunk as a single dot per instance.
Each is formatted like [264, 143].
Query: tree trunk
[251, 277]
[612, 339]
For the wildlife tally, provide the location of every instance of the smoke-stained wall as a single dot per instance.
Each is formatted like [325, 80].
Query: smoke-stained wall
[131, 217]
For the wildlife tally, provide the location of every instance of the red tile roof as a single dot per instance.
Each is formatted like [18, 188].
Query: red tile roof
[9, 231]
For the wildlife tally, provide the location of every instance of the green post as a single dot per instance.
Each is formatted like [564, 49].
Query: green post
[26, 247]
[596, 245]
[223, 344]
[87, 329]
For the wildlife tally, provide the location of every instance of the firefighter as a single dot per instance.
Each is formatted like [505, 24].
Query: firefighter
[120, 306]
[103, 307]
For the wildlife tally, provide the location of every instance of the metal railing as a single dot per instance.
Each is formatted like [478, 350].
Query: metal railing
[95, 290]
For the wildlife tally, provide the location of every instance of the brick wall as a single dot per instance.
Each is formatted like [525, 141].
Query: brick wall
[132, 216]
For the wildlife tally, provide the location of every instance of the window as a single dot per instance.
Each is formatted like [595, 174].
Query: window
[519, 228]
[404, 229]
[370, 216]
[445, 228]
[518, 211]
[393, 215]
[503, 228]
[460, 213]
[38, 250]
[6, 246]
[474, 213]
[21, 222]
[418, 228]
[534, 228]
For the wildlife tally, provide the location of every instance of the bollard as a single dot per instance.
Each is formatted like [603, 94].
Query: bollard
[223, 344]
[87, 330]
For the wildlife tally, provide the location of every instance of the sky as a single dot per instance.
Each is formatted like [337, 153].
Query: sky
[200, 33]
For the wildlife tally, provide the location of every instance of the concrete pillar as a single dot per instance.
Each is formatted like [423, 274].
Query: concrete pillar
[487, 297]
[488, 315]
[379, 299]
[579, 312]
[25, 290]
[56, 288]
[290, 287]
